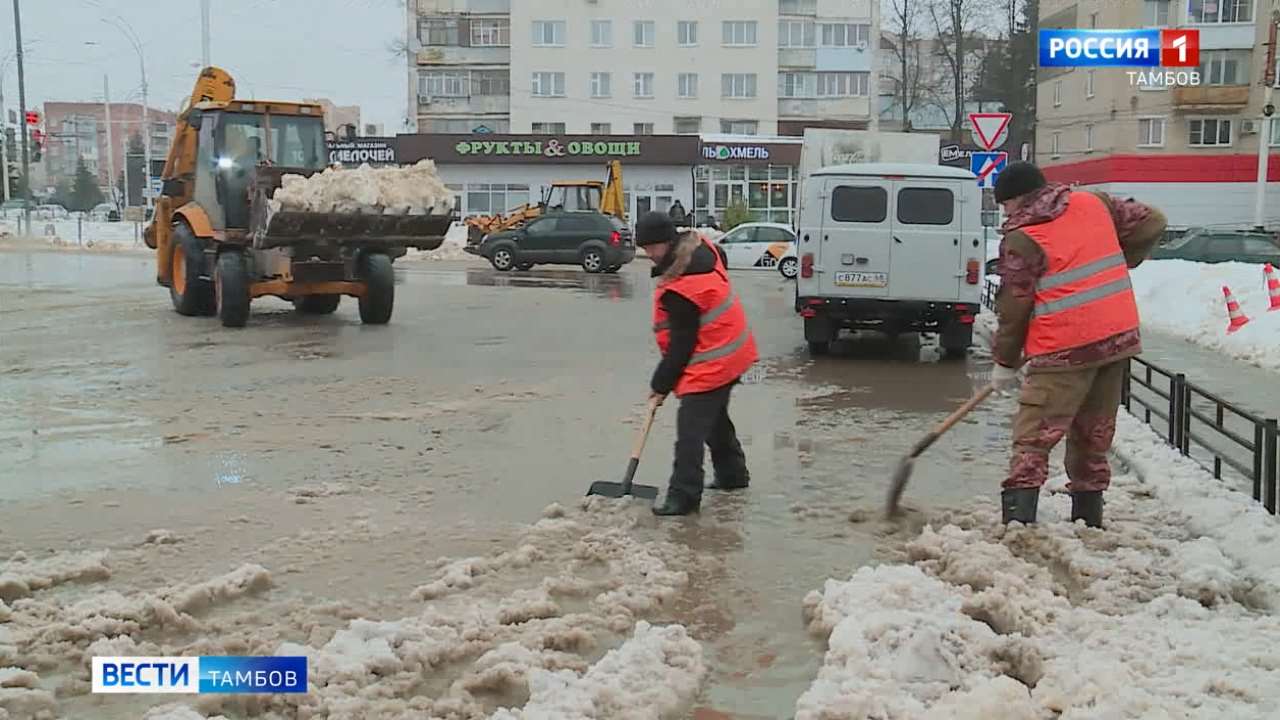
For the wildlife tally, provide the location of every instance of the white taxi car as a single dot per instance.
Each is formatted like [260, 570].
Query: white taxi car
[761, 245]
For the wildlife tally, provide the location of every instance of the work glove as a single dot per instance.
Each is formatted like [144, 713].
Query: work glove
[657, 398]
[1004, 379]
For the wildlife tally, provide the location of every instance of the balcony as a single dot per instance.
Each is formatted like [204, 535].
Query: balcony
[1227, 36]
[805, 58]
[1211, 97]
[458, 55]
[476, 104]
[857, 107]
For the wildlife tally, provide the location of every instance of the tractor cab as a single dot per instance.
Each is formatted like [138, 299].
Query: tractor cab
[582, 196]
[236, 141]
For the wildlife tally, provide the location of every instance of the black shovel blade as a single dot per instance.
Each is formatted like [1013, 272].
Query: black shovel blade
[618, 490]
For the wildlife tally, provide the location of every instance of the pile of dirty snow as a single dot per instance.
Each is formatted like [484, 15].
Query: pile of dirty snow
[1185, 299]
[1147, 618]
[413, 190]
[451, 249]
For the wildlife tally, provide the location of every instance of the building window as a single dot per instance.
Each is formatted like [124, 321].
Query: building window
[1224, 67]
[845, 35]
[547, 128]
[490, 82]
[797, 85]
[796, 33]
[1209, 132]
[1151, 132]
[687, 85]
[644, 85]
[844, 84]
[437, 32]
[1088, 138]
[548, 84]
[490, 33]
[1155, 13]
[1055, 146]
[687, 33]
[738, 85]
[739, 127]
[797, 7]
[601, 128]
[1057, 93]
[1088, 84]
[739, 33]
[548, 33]
[601, 33]
[687, 125]
[442, 84]
[645, 33]
[483, 198]
[1220, 11]
[1275, 132]
[643, 128]
[601, 85]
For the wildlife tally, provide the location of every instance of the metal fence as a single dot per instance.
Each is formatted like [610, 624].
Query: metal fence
[1222, 437]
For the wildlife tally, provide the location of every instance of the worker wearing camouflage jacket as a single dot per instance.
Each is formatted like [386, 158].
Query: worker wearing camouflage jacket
[1067, 316]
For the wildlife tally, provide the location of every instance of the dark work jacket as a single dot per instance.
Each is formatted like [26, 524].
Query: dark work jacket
[684, 317]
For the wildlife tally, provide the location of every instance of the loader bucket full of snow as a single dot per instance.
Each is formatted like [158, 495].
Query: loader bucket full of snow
[366, 207]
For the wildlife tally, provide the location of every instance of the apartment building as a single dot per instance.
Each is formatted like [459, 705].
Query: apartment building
[1190, 150]
[79, 130]
[618, 67]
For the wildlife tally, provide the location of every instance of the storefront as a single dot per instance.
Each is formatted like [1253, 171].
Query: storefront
[761, 175]
[495, 173]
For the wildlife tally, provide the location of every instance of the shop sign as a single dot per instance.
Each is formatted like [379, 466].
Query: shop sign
[550, 148]
[956, 155]
[735, 152]
[374, 151]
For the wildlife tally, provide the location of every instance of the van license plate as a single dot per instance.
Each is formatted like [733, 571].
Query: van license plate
[862, 279]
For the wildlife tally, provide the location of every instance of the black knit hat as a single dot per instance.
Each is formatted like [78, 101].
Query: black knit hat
[1018, 179]
[654, 228]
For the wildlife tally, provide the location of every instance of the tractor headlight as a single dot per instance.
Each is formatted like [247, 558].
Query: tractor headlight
[226, 163]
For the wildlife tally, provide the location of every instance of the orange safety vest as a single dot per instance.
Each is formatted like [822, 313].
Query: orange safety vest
[1084, 295]
[725, 348]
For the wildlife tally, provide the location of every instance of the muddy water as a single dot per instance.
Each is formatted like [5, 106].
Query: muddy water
[488, 397]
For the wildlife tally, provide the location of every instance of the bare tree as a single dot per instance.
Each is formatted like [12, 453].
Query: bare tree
[957, 23]
[904, 22]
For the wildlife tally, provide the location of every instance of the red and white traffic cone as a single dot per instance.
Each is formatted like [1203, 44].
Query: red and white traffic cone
[1238, 319]
[1273, 286]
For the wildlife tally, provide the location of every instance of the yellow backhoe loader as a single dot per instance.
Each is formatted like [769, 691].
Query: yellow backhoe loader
[567, 195]
[218, 243]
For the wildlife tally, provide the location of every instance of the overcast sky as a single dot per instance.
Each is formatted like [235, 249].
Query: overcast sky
[344, 53]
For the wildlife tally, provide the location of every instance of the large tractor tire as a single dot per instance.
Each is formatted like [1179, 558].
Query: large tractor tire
[380, 290]
[231, 288]
[317, 304]
[189, 288]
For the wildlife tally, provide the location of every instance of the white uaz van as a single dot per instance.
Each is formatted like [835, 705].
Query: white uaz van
[890, 247]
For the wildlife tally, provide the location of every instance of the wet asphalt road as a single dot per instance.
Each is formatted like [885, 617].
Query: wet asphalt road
[488, 396]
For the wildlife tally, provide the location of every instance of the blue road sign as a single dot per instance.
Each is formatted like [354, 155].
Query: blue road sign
[988, 166]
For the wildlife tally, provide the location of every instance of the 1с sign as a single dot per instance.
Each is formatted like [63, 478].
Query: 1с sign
[359, 152]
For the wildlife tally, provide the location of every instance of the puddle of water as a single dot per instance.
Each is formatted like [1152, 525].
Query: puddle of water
[608, 286]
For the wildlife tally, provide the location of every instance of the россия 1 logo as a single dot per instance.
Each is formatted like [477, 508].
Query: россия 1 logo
[1148, 48]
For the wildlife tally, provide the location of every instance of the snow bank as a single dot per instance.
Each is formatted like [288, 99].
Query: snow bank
[416, 189]
[452, 248]
[1184, 298]
[1145, 619]
[89, 234]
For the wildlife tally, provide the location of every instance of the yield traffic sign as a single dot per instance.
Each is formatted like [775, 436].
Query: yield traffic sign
[990, 130]
[988, 166]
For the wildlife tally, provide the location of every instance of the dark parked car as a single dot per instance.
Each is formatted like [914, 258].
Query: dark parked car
[599, 243]
[1215, 246]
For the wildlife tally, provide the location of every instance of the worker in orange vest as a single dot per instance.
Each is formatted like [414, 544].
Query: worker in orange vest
[1069, 319]
[706, 345]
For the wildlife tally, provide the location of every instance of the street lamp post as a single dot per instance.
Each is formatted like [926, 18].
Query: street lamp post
[126, 30]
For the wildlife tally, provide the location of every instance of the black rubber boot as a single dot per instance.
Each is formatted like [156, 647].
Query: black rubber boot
[676, 504]
[1019, 504]
[1087, 506]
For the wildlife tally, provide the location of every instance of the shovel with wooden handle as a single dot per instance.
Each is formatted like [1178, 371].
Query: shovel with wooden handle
[626, 487]
[903, 473]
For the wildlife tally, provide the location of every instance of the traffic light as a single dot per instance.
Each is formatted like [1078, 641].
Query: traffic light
[37, 145]
[33, 117]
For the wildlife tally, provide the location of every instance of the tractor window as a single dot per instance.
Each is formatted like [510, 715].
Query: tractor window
[297, 141]
[243, 142]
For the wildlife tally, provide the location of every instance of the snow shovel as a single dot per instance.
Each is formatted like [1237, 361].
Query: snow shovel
[903, 473]
[625, 488]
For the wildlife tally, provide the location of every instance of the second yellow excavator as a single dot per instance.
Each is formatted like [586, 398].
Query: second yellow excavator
[566, 195]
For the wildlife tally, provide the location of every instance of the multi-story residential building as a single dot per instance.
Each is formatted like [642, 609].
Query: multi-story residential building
[616, 67]
[337, 118]
[79, 130]
[1191, 150]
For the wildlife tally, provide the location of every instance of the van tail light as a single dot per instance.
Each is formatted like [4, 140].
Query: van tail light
[615, 239]
[806, 265]
[971, 272]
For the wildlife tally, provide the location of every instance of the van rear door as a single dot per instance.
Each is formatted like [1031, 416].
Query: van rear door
[926, 240]
[854, 255]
